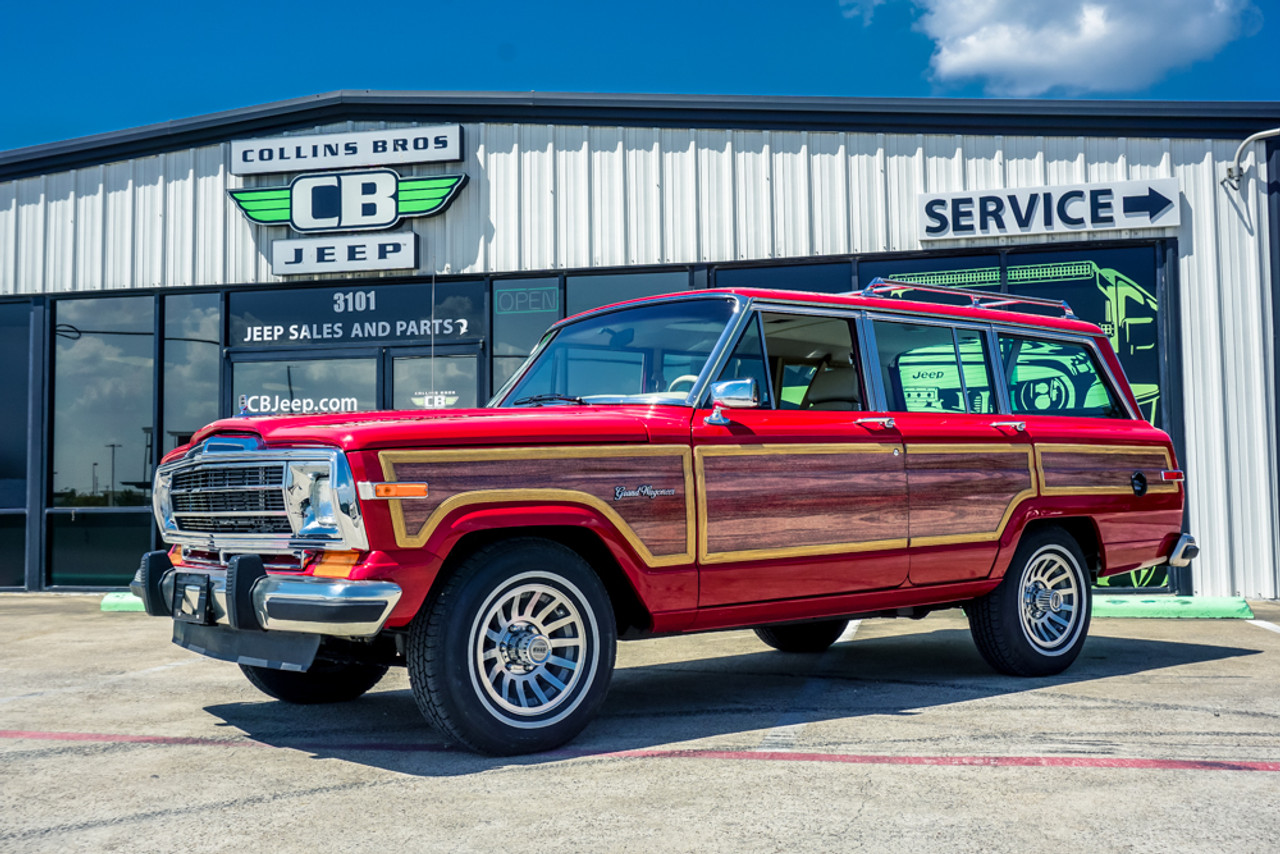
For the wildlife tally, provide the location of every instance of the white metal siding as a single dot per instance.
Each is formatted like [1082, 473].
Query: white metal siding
[545, 197]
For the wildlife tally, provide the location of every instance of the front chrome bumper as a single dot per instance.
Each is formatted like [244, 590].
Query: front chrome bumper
[326, 606]
[1184, 551]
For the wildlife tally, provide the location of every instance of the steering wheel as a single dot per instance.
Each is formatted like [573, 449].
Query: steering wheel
[683, 378]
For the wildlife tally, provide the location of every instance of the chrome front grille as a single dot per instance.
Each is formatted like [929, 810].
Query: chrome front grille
[235, 524]
[235, 499]
[266, 500]
[228, 477]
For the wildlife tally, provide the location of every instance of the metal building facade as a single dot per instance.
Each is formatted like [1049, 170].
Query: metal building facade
[582, 196]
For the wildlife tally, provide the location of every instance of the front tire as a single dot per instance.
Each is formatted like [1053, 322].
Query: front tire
[1035, 623]
[516, 653]
[324, 682]
[802, 637]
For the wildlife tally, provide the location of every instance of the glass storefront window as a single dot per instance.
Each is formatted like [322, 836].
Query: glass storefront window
[96, 549]
[522, 311]
[13, 543]
[103, 392]
[587, 292]
[822, 278]
[434, 382]
[192, 364]
[306, 386]
[15, 355]
[504, 368]
[358, 314]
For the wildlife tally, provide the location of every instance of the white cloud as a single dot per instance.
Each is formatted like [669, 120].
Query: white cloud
[860, 8]
[1024, 48]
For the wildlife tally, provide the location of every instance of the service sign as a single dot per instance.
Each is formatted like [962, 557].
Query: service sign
[1063, 209]
[346, 150]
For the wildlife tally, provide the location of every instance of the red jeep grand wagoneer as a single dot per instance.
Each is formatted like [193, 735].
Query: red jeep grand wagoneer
[709, 460]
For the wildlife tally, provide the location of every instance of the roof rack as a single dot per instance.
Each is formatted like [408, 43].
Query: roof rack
[977, 299]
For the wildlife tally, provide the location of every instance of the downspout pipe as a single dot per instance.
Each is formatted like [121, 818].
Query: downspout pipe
[1235, 174]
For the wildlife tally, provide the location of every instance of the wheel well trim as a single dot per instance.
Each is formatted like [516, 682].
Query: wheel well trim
[1091, 545]
[616, 571]
[544, 501]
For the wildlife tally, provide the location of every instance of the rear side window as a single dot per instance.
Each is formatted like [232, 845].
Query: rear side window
[933, 368]
[1056, 378]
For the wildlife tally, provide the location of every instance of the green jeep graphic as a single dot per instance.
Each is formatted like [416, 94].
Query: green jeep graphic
[1055, 384]
[1129, 310]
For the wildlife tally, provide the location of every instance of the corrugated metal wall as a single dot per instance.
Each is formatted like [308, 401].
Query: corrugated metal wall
[548, 197]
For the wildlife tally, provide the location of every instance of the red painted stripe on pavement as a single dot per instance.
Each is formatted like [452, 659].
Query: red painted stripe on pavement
[746, 755]
[970, 761]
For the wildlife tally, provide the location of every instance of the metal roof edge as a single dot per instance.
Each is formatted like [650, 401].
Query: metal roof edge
[1020, 117]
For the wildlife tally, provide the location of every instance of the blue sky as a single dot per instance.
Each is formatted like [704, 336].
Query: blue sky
[79, 68]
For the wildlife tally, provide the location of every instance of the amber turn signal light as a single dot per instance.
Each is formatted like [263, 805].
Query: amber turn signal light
[400, 490]
[335, 564]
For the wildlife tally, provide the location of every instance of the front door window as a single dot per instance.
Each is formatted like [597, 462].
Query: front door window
[305, 386]
[434, 382]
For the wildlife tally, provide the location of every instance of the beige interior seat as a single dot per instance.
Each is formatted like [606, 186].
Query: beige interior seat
[834, 388]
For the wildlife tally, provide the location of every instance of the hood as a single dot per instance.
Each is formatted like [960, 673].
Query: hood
[549, 425]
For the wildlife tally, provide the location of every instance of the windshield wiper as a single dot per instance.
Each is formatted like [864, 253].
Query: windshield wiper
[549, 398]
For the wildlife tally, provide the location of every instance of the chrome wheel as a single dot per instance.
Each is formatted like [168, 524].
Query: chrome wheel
[1036, 622]
[1051, 593]
[533, 645]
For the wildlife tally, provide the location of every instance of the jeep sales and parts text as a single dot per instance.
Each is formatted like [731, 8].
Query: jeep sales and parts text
[357, 330]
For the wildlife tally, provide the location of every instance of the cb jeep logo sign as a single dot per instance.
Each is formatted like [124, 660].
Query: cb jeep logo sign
[348, 201]
[346, 197]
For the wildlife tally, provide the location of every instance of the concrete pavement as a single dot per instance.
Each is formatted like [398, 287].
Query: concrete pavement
[1164, 736]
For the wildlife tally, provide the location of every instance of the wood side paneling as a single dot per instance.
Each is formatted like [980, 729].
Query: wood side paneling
[1101, 469]
[959, 496]
[764, 502]
[646, 492]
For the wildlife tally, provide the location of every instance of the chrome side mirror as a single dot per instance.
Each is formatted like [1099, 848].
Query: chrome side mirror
[731, 394]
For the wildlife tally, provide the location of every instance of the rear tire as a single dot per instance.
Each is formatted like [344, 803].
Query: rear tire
[802, 637]
[1035, 623]
[324, 682]
[516, 652]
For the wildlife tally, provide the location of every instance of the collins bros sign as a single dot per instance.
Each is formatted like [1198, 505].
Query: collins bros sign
[354, 200]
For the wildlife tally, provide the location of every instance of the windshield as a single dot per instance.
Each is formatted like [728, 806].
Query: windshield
[650, 354]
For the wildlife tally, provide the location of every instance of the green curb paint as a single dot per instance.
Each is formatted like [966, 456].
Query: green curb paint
[121, 602]
[1172, 607]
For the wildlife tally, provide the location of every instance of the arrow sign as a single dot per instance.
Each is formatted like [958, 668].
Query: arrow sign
[1098, 206]
[1152, 204]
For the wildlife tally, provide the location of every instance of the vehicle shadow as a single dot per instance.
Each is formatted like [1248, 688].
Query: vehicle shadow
[655, 706]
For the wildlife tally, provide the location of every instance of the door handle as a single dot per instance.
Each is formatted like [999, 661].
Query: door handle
[1020, 426]
[885, 423]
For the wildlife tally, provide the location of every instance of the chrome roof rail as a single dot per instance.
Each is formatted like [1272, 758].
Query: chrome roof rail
[977, 299]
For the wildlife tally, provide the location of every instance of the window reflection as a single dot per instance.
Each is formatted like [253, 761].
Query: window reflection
[103, 381]
[440, 382]
[13, 542]
[96, 549]
[192, 361]
[522, 311]
[822, 278]
[305, 387]
[15, 356]
[585, 292]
